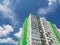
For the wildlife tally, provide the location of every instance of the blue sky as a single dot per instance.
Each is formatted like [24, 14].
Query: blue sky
[14, 12]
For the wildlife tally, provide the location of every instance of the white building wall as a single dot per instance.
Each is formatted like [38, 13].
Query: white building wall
[50, 38]
[34, 31]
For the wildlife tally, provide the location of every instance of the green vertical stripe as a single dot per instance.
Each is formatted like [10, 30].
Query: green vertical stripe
[19, 41]
[55, 33]
[25, 32]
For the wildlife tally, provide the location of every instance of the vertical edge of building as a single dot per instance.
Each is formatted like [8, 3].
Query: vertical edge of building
[53, 28]
[38, 31]
[25, 28]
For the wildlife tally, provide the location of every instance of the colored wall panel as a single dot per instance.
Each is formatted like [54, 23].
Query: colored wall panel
[25, 32]
[19, 41]
[55, 34]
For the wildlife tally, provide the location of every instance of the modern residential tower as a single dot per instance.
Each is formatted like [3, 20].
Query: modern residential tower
[38, 31]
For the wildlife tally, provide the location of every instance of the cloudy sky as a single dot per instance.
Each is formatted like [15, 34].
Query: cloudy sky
[14, 12]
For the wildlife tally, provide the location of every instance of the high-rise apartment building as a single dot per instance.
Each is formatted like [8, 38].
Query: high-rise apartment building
[38, 31]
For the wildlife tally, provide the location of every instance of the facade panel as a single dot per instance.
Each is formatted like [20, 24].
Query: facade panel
[38, 31]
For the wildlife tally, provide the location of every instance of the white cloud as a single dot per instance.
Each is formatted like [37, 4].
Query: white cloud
[59, 1]
[6, 9]
[42, 11]
[8, 40]
[8, 12]
[51, 2]
[5, 30]
[52, 5]
[19, 34]
[6, 2]
[59, 30]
